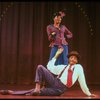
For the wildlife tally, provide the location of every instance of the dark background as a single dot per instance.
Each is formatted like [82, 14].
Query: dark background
[24, 43]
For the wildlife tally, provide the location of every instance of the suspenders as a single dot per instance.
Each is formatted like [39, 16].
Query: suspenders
[61, 72]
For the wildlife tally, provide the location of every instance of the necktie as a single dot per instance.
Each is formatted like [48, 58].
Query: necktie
[69, 78]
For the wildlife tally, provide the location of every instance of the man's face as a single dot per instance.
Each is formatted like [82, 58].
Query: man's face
[57, 19]
[73, 60]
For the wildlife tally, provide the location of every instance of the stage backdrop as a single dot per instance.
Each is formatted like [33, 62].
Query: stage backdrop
[24, 43]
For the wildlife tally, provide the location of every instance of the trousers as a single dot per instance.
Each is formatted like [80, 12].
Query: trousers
[54, 88]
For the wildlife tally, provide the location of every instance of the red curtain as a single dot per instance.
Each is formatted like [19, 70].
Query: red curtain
[24, 43]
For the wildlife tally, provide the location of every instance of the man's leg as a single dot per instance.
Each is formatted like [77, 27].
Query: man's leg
[11, 92]
[43, 74]
[55, 87]
[22, 92]
[50, 92]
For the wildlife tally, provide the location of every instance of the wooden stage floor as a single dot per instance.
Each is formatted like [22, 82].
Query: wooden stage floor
[73, 93]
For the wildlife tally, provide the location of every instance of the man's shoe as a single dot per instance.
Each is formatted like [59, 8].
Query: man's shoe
[4, 92]
[35, 93]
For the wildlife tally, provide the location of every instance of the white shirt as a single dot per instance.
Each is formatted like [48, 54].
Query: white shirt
[78, 73]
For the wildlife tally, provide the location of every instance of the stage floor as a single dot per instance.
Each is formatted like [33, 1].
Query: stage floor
[73, 93]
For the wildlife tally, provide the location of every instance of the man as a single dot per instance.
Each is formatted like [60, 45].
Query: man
[57, 35]
[57, 85]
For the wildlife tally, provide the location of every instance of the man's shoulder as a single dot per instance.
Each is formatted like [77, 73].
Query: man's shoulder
[79, 66]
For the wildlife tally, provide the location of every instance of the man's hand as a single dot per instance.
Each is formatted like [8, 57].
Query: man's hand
[59, 51]
[93, 95]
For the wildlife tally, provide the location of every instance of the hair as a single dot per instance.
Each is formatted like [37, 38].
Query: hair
[74, 53]
[56, 14]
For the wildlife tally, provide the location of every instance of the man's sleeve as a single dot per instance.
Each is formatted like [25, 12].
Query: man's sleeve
[55, 69]
[82, 81]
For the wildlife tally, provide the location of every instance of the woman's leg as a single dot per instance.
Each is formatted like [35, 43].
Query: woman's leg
[52, 54]
[64, 54]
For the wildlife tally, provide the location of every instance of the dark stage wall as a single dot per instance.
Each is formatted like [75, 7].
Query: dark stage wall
[24, 43]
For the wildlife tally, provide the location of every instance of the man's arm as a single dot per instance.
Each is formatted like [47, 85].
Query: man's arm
[82, 82]
[59, 51]
[55, 69]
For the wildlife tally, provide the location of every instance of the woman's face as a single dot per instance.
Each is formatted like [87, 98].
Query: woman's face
[57, 19]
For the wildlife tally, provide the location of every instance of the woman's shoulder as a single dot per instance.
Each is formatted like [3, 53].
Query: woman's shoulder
[49, 25]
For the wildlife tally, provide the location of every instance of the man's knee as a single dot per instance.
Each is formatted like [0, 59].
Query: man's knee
[40, 66]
